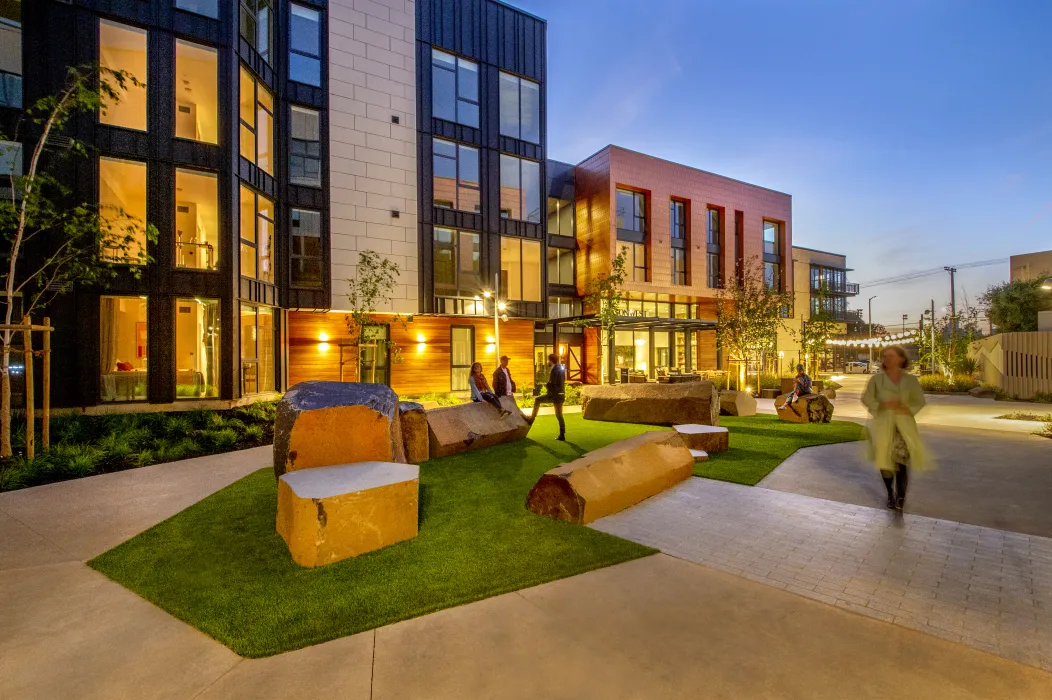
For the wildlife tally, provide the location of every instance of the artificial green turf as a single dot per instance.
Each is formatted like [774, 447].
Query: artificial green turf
[762, 442]
[220, 566]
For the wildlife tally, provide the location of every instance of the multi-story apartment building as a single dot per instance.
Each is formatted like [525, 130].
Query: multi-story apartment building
[276, 140]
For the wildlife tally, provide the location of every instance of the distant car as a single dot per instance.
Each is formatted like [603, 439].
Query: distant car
[856, 367]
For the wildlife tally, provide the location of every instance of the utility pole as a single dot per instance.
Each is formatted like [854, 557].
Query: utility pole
[870, 367]
[953, 302]
[933, 336]
[905, 317]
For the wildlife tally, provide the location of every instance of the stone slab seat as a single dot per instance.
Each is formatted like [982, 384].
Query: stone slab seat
[652, 404]
[711, 438]
[809, 408]
[737, 403]
[471, 426]
[332, 513]
[320, 424]
[612, 478]
[700, 455]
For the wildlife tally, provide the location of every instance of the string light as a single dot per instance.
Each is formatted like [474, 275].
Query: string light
[908, 336]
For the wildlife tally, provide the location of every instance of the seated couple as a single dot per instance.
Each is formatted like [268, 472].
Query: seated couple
[480, 390]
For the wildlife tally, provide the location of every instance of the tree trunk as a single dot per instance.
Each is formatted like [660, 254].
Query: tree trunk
[5, 400]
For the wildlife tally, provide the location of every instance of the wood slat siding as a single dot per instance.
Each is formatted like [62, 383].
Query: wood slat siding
[422, 370]
[1019, 363]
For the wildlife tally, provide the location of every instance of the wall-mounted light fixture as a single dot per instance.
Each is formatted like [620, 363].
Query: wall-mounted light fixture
[323, 347]
[323, 336]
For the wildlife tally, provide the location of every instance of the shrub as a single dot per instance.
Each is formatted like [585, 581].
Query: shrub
[1045, 431]
[117, 450]
[255, 433]
[938, 383]
[235, 424]
[178, 426]
[573, 394]
[224, 439]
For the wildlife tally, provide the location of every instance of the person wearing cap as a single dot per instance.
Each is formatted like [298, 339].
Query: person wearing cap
[503, 384]
[801, 387]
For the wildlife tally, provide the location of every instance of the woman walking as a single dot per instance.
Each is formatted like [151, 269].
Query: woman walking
[480, 390]
[893, 397]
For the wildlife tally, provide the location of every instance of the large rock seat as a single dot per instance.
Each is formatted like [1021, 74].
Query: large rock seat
[332, 513]
[710, 438]
[320, 424]
[737, 403]
[652, 404]
[789, 382]
[470, 426]
[612, 478]
[414, 432]
[809, 408]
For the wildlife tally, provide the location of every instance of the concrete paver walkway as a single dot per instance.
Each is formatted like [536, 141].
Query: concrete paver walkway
[986, 588]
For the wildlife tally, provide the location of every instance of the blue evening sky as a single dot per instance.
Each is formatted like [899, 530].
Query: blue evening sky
[912, 134]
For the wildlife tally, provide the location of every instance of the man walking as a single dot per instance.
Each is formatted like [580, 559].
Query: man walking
[503, 384]
[555, 394]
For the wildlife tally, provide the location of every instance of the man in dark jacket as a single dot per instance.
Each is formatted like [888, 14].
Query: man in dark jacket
[503, 384]
[555, 394]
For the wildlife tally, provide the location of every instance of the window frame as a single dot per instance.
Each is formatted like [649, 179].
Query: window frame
[471, 347]
[460, 288]
[306, 157]
[293, 51]
[505, 290]
[257, 87]
[294, 256]
[146, 350]
[677, 220]
[559, 254]
[139, 261]
[639, 218]
[256, 244]
[458, 149]
[215, 97]
[519, 81]
[679, 276]
[217, 344]
[99, 116]
[243, 7]
[457, 99]
[560, 206]
[255, 359]
[523, 204]
[176, 242]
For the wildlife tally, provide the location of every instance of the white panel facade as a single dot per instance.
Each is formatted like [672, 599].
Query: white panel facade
[372, 161]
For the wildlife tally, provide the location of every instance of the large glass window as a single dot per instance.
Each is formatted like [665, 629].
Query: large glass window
[305, 148]
[457, 263]
[713, 238]
[636, 262]
[305, 46]
[678, 220]
[772, 275]
[306, 255]
[631, 211]
[713, 273]
[456, 178]
[713, 228]
[122, 349]
[560, 265]
[454, 88]
[560, 217]
[679, 266]
[563, 307]
[256, 107]
[771, 238]
[520, 189]
[256, 25]
[197, 348]
[123, 48]
[257, 349]
[257, 236]
[520, 108]
[196, 92]
[196, 220]
[520, 269]
[122, 210]
[461, 356]
[208, 8]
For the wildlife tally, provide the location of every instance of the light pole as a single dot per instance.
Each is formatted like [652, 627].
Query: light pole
[870, 367]
[905, 317]
[499, 314]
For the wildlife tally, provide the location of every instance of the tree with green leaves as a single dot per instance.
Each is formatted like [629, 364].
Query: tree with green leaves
[749, 314]
[951, 348]
[373, 286]
[1013, 306]
[605, 298]
[53, 241]
[817, 329]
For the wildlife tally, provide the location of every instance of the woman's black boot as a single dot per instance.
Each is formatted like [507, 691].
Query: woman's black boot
[902, 476]
[889, 483]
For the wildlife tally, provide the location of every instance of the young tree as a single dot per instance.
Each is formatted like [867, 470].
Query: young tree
[816, 330]
[52, 241]
[1013, 306]
[373, 286]
[605, 298]
[749, 314]
[951, 349]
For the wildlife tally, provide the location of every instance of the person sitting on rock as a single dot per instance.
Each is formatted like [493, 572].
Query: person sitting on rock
[480, 390]
[801, 387]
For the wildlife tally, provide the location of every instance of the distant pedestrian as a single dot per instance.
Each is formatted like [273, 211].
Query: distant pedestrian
[893, 397]
[503, 384]
[480, 390]
[801, 387]
[555, 394]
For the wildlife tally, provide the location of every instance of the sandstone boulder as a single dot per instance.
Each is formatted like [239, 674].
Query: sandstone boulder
[612, 478]
[414, 432]
[811, 408]
[982, 392]
[737, 403]
[332, 513]
[828, 393]
[320, 424]
[470, 426]
[652, 404]
[789, 382]
[768, 393]
[711, 438]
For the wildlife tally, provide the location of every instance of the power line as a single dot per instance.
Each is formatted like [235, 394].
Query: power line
[928, 273]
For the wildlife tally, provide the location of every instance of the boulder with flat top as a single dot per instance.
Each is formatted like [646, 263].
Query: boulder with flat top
[652, 404]
[737, 403]
[320, 424]
[612, 478]
[471, 426]
[414, 432]
[710, 438]
[809, 408]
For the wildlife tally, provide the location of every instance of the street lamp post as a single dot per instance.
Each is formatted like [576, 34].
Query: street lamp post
[870, 368]
[905, 317]
[499, 314]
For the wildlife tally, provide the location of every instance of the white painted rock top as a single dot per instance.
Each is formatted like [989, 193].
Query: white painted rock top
[325, 482]
[695, 429]
[700, 455]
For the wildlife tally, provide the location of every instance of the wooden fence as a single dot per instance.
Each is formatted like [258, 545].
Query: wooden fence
[1019, 363]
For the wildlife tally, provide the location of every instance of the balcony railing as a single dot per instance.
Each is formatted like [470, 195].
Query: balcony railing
[851, 289]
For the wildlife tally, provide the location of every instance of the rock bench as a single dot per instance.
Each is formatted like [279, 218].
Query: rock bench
[710, 438]
[470, 426]
[737, 403]
[612, 478]
[809, 408]
[652, 404]
[327, 514]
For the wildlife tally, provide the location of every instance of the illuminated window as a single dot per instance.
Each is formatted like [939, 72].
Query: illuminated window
[461, 356]
[454, 89]
[560, 217]
[196, 220]
[520, 269]
[679, 266]
[123, 48]
[256, 22]
[305, 148]
[197, 348]
[631, 211]
[714, 243]
[306, 255]
[257, 122]
[122, 349]
[456, 176]
[257, 349]
[772, 275]
[196, 92]
[520, 108]
[257, 236]
[560, 265]
[520, 189]
[636, 263]
[305, 46]
[771, 242]
[122, 210]
[457, 267]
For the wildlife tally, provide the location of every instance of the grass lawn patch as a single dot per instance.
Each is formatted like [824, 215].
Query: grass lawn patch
[760, 443]
[220, 566]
